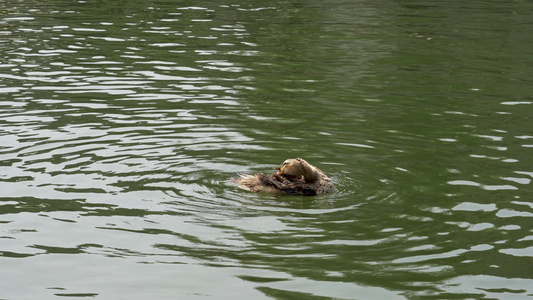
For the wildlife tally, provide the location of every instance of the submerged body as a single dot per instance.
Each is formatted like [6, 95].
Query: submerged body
[294, 177]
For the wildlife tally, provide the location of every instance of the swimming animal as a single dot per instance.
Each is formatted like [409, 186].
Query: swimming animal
[294, 177]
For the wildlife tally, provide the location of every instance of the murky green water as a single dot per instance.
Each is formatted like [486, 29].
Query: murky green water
[121, 123]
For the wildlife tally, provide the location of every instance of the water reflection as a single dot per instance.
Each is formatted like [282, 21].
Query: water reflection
[122, 122]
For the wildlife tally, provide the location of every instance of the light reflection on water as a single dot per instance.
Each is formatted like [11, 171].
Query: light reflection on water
[120, 131]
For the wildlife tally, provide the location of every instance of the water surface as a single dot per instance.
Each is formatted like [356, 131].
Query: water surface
[122, 122]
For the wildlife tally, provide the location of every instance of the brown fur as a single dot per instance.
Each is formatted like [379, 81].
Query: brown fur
[294, 177]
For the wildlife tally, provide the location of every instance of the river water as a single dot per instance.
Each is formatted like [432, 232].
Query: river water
[122, 123]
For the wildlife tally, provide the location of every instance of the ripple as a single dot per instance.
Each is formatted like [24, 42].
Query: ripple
[511, 213]
[421, 258]
[489, 286]
[469, 206]
[483, 186]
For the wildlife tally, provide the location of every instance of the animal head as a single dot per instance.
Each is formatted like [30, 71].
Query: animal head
[298, 167]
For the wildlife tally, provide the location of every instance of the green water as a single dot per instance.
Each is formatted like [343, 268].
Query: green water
[122, 122]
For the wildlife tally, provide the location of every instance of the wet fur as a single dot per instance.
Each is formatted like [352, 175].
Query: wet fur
[295, 177]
